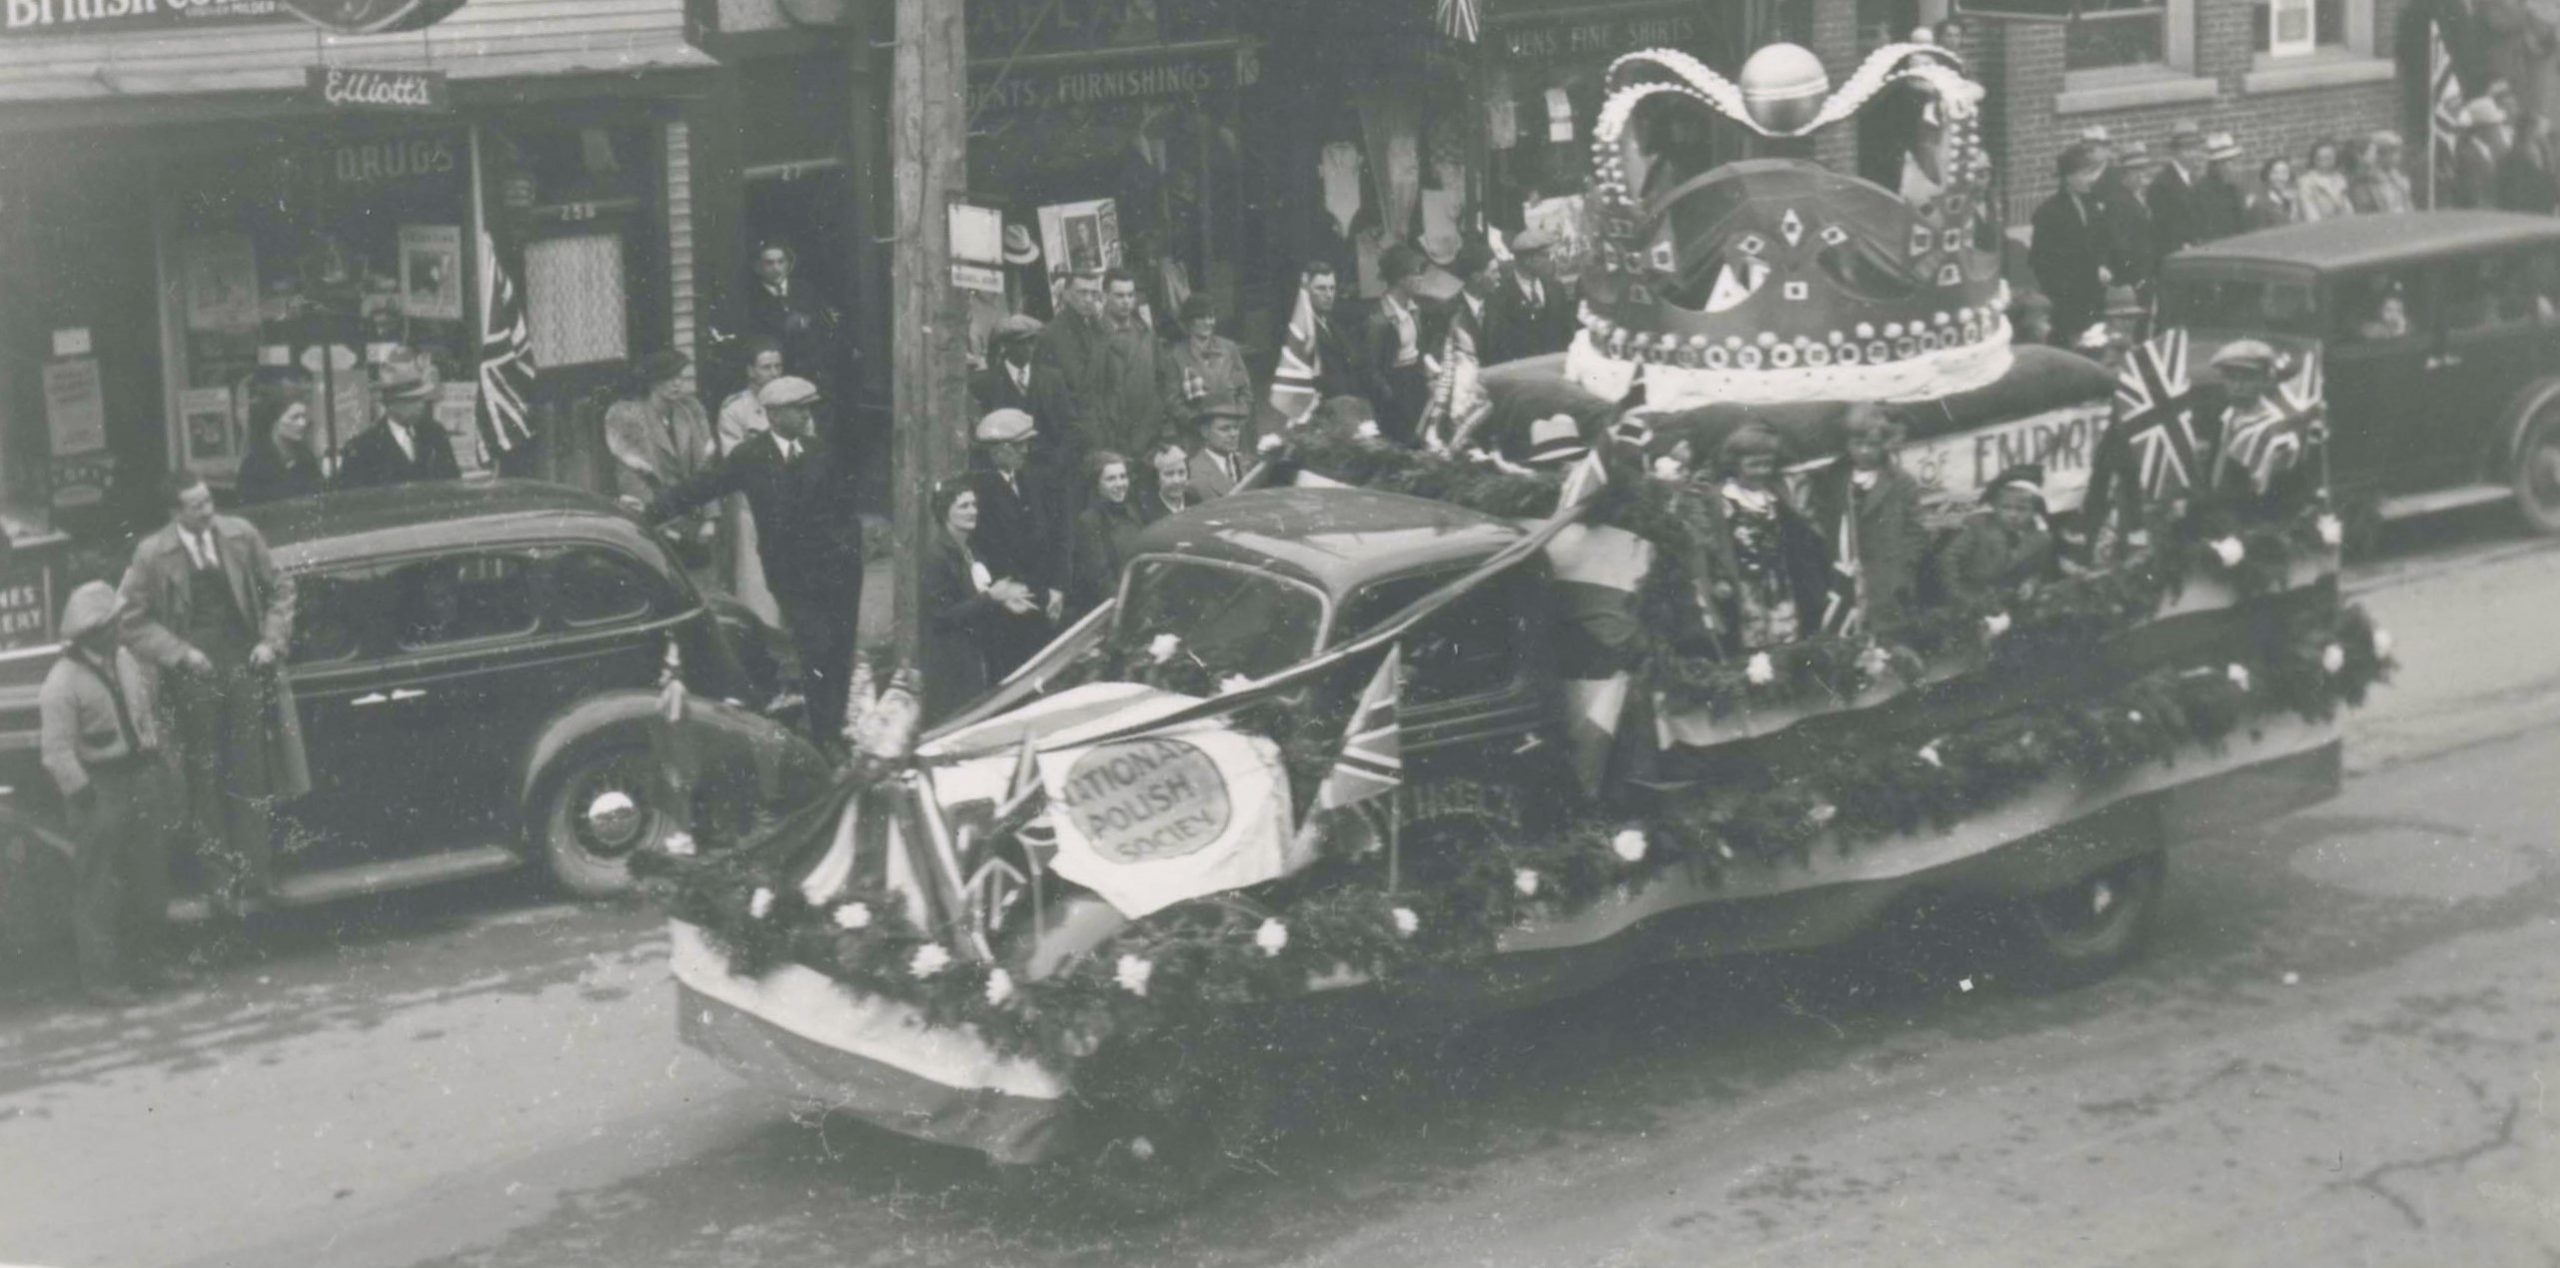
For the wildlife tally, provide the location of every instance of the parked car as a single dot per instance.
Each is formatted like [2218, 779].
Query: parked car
[2440, 338]
[476, 666]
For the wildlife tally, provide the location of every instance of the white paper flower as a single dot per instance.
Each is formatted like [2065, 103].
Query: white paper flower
[1929, 753]
[2133, 716]
[1995, 625]
[2381, 643]
[928, 960]
[1233, 682]
[1760, 671]
[679, 844]
[1141, 1148]
[1874, 661]
[1132, 973]
[760, 903]
[2239, 675]
[1367, 430]
[1526, 881]
[999, 987]
[1406, 921]
[1724, 851]
[2331, 531]
[1629, 845]
[853, 916]
[1269, 444]
[1272, 937]
[2333, 658]
[1164, 647]
[1667, 467]
[1823, 813]
[2229, 551]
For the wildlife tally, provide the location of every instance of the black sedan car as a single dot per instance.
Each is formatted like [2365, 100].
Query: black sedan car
[477, 669]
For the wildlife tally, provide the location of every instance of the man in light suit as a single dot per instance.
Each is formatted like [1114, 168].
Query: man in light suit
[206, 605]
[1219, 462]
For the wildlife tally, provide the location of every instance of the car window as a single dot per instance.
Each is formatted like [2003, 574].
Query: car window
[329, 614]
[1233, 619]
[2382, 308]
[1465, 649]
[461, 599]
[2493, 292]
[2246, 305]
[597, 587]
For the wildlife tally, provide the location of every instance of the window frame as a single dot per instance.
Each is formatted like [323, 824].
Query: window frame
[1503, 589]
[555, 595]
[531, 561]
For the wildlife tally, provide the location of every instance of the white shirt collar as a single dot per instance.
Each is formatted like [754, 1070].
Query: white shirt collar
[400, 433]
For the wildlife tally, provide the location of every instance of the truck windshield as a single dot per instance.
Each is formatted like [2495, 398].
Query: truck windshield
[1236, 620]
[2241, 305]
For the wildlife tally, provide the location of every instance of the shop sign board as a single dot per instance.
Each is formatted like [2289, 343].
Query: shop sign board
[107, 17]
[1103, 80]
[385, 91]
[1568, 36]
[26, 601]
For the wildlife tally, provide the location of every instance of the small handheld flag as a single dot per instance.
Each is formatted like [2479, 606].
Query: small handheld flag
[1372, 758]
[1293, 380]
[2272, 436]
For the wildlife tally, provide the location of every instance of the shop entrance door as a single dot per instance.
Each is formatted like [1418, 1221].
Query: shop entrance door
[807, 206]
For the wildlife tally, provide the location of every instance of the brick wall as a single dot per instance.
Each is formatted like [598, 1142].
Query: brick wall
[2026, 76]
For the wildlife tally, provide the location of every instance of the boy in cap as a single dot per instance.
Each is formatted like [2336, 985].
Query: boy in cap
[101, 745]
[407, 443]
[2004, 549]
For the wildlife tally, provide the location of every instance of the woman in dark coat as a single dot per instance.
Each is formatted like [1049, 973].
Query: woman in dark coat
[1891, 538]
[962, 602]
[279, 463]
[1106, 534]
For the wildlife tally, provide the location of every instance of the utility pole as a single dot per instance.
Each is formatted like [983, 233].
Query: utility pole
[929, 319]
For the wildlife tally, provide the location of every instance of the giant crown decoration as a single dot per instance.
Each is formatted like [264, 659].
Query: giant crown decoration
[1778, 279]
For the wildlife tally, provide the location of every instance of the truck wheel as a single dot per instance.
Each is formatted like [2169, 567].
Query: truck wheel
[591, 813]
[2537, 471]
[2088, 929]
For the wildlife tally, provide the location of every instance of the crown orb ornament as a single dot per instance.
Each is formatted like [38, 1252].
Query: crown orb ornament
[1783, 86]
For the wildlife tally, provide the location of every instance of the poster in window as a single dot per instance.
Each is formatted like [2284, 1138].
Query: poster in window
[2292, 28]
[1081, 237]
[431, 272]
[222, 284]
[211, 427]
[75, 406]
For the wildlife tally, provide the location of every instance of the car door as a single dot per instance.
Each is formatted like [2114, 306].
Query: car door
[2495, 344]
[463, 631]
[2381, 336]
[342, 689]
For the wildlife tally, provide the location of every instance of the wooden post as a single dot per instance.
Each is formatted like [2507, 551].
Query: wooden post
[928, 126]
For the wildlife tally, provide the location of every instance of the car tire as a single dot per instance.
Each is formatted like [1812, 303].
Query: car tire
[2536, 473]
[588, 847]
[2086, 931]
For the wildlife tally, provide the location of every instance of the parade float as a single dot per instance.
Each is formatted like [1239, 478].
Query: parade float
[1398, 738]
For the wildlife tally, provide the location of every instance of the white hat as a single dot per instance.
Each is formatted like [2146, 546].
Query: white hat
[1556, 440]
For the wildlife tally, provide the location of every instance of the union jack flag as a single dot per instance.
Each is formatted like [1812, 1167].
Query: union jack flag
[1293, 380]
[1372, 760]
[506, 355]
[2155, 416]
[2271, 437]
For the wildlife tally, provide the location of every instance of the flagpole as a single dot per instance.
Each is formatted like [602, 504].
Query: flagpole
[481, 261]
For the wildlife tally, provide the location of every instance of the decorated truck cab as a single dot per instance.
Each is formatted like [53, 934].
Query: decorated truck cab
[1624, 667]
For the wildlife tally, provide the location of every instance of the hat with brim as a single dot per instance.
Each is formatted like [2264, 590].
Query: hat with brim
[1018, 328]
[1018, 246]
[1221, 409]
[1556, 441]
[2245, 356]
[787, 390]
[662, 365]
[2221, 147]
[2483, 113]
[1531, 241]
[1004, 426]
[2025, 475]
[92, 607]
[406, 375]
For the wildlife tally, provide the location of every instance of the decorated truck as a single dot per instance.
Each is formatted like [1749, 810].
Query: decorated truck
[1394, 738]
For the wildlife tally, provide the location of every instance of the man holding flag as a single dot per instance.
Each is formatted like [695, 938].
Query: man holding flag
[1317, 360]
[2269, 426]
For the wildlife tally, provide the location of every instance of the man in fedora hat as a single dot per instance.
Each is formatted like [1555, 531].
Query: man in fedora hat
[2476, 158]
[204, 602]
[2173, 198]
[1006, 382]
[659, 438]
[406, 443]
[2221, 209]
[1025, 280]
[807, 536]
[1022, 534]
[100, 737]
[1531, 314]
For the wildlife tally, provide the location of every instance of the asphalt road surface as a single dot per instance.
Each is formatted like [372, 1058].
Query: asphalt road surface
[2345, 1050]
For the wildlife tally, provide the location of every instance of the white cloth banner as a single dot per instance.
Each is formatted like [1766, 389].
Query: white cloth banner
[1151, 821]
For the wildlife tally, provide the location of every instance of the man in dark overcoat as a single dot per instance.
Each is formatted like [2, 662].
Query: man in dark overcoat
[2068, 251]
[1021, 535]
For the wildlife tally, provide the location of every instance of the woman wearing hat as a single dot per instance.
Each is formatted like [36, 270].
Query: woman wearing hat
[1204, 371]
[2323, 186]
[963, 603]
[1771, 564]
[660, 437]
[2005, 548]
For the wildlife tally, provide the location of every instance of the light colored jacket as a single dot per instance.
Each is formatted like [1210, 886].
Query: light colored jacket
[78, 717]
[157, 597]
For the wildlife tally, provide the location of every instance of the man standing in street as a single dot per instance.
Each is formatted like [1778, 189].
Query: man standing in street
[1006, 382]
[741, 419]
[2221, 209]
[205, 603]
[808, 537]
[1531, 315]
[1021, 535]
[2175, 200]
[407, 443]
[1069, 376]
[1135, 389]
[660, 438]
[786, 309]
[1339, 368]
[101, 744]
[2122, 174]
[2068, 250]
[1205, 370]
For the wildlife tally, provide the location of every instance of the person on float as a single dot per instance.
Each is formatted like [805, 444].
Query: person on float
[99, 734]
[1106, 535]
[279, 463]
[1340, 370]
[1204, 370]
[2068, 249]
[407, 444]
[659, 438]
[1866, 483]
[2005, 550]
[1457, 391]
[1219, 463]
[1773, 566]
[205, 604]
[1393, 345]
[1021, 536]
[742, 418]
[962, 604]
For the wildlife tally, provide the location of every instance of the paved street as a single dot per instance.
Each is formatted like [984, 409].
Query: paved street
[2346, 1050]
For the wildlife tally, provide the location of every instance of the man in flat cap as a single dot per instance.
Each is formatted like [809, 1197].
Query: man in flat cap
[407, 443]
[1022, 535]
[808, 536]
[1006, 382]
[1531, 314]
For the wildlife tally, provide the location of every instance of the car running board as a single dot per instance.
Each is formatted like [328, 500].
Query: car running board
[2412, 505]
[338, 883]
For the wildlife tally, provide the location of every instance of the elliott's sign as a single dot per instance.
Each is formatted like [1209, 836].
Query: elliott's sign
[397, 91]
